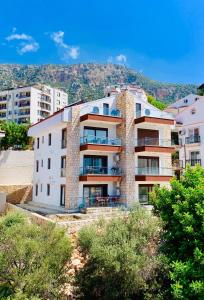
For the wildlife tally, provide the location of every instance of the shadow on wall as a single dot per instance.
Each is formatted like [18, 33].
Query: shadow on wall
[4, 158]
[17, 194]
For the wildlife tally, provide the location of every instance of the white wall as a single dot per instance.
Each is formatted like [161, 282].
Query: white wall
[16, 167]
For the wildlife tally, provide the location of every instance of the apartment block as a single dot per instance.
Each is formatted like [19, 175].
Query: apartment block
[31, 104]
[105, 152]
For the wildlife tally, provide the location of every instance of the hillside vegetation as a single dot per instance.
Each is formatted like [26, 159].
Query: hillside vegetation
[88, 81]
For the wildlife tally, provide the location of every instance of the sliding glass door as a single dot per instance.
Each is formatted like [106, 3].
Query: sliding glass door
[148, 165]
[96, 164]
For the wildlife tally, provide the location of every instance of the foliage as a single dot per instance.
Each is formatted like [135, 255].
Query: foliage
[160, 105]
[15, 135]
[88, 81]
[122, 259]
[32, 259]
[182, 210]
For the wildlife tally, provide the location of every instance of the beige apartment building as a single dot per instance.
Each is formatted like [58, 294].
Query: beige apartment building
[102, 153]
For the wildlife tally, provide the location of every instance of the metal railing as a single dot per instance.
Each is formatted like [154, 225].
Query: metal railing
[104, 201]
[89, 170]
[63, 143]
[192, 139]
[91, 139]
[63, 172]
[193, 162]
[154, 171]
[24, 104]
[146, 141]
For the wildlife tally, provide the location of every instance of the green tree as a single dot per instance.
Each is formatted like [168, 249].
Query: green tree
[15, 135]
[32, 259]
[182, 211]
[122, 259]
[160, 105]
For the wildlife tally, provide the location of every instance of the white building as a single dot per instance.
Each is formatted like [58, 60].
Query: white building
[190, 123]
[102, 152]
[31, 104]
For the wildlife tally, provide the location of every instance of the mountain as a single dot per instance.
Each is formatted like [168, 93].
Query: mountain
[88, 81]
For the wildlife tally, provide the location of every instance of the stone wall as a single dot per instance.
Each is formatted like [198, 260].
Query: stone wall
[17, 193]
[125, 131]
[73, 159]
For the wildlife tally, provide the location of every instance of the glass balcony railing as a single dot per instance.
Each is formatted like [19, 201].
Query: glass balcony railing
[146, 141]
[193, 162]
[108, 201]
[100, 110]
[90, 139]
[192, 139]
[154, 171]
[89, 170]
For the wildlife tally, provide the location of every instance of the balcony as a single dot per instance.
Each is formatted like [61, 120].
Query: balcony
[154, 145]
[104, 201]
[193, 162]
[192, 139]
[92, 173]
[24, 113]
[100, 144]
[24, 104]
[100, 114]
[63, 144]
[153, 174]
[151, 115]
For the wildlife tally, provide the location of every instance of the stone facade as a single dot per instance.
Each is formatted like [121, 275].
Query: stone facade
[73, 159]
[126, 132]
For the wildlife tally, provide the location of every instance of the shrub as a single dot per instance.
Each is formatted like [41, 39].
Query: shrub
[32, 258]
[122, 259]
[182, 210]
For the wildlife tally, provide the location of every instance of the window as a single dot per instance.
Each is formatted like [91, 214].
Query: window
[41, 188]
[38, 143]
[193, 111]
[41, 162]
[49, 163]
[105, 108]
[64, 138]
[185, 100]
[48, 189]
[62, 195]
[91, 133]
[138, 110]
[49, 139]
[43, 139]
[144, 190]
[36, 189]
[37, 165]
[63, 166]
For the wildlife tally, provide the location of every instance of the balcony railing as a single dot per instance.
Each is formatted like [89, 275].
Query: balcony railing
[90, 139]
[63, 144]
[23, 113]
[154, 171]
[107, 201]
[146, 141]
[24, 104]
[193, 162]
[100, 110]
[63, 172]
[192, 139]
[89, 170]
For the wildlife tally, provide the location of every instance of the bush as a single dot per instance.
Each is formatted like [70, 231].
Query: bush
[182, 210]
[32, 258]
[122, 259]
[157, 103]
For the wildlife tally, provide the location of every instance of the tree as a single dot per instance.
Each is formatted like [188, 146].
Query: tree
[15, 135]
[122, 259]
[160, 105]
[32, 258]
[182, 211]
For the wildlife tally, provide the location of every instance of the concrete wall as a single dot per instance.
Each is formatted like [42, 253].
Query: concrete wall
[16, 167]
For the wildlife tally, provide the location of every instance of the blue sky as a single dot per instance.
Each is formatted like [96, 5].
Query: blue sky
[163, 39]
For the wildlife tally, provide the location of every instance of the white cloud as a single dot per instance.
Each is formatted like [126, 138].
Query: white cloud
[16, 36]
[66, 50]
[121, 58]
[31, 47]
[25, 43]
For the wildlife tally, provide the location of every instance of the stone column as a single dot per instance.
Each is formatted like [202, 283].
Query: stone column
[126, 132]
[73, 159]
